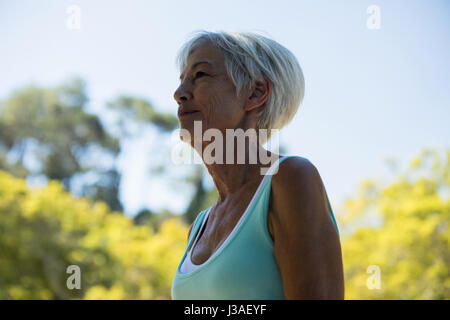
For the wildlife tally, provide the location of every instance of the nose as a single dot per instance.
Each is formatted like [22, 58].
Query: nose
[182, 94]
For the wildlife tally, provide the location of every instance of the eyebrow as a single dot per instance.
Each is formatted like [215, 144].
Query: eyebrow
[196, 64]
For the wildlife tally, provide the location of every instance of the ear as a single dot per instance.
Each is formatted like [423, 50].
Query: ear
[259, 95]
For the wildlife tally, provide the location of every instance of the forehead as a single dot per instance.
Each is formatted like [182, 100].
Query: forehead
[205, 51]
[204, 55]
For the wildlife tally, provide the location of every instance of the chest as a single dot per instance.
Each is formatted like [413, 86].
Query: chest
[218, 227]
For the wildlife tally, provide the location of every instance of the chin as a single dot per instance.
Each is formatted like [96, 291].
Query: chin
[186, 133]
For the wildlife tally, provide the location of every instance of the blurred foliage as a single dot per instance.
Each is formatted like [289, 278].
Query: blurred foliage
[410, 243]
[154, 220]
[45, 230]
[136, 110]
[46, 132]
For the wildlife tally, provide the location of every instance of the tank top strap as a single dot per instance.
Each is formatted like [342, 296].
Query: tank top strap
[263, 197]
[331, 211]
[195, 228]
[273, 170]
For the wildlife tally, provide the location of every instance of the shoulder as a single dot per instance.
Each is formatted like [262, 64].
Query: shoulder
[295, 174]
[297, 192]
[306, 244]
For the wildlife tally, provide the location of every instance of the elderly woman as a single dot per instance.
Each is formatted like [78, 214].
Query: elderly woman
[268, 236]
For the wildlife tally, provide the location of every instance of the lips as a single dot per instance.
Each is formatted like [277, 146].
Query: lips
[185, 112]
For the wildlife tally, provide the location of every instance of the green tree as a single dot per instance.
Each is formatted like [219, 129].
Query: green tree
[133, 110]
[403, 230]
[47, 133]
[45, 230]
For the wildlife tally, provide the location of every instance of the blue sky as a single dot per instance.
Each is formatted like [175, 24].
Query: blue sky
[371, 94]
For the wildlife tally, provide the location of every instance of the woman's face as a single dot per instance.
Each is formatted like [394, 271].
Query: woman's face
[206, 87]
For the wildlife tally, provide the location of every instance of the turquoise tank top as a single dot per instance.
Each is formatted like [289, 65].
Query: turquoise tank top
[244, 266]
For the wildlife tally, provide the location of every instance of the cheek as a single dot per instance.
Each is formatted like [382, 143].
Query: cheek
[222, 102]
[218, 103]
[219, 106]
[222, 111]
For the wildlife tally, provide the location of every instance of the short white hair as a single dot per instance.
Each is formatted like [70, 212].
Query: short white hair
[250, 57]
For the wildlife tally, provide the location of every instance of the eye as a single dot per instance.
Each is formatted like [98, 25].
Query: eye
[199, 74]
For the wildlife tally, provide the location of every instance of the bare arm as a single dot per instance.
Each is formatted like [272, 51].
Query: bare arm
[306, 244]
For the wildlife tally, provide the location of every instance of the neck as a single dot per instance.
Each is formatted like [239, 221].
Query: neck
[231, 176]
[234, 161]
